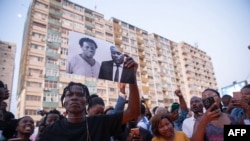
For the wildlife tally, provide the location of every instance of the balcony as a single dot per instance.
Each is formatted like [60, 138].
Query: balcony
[145, 89]
[158, 47]
[52, 66]
[51, 105]
[54, 45]
[52, 55]
[140, 48]
[55, 4]
[55, 13]
[139, 40]
[38, 64]
[90, 33]
[118, 41]
[144, 79]
[51, 78]
[34, 89]
[116, 25]
[118, 32]
[41, 8]
[143, 71]
[37, 28]
[89, 16]
[54, 32]
[89, 24]
[142, 63]
[139, 33]
[55, 22]
[141, 54]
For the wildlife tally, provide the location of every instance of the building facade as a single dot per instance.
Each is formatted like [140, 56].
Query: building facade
[162, 65]
[7, 63]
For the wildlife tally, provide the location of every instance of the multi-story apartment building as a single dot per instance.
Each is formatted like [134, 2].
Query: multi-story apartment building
[45, 49]
[7, 66]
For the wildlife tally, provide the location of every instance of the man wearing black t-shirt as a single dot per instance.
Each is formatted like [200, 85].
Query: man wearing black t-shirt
[78, 127]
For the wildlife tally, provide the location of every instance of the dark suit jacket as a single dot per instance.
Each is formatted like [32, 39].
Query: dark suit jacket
[106, 72]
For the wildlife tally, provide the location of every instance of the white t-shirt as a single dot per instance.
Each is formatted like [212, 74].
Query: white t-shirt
[188, 126]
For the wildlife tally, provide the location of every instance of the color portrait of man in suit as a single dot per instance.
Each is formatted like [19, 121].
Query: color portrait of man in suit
[115, 70]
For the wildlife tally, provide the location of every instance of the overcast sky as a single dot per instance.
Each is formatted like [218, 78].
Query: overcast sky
[219, 27]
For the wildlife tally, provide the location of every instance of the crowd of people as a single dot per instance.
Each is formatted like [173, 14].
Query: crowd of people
[87, 118]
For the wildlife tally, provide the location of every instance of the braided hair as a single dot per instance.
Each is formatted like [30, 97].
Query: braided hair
[69, 87]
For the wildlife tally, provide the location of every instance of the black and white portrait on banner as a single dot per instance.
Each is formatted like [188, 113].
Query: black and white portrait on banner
[96, 58]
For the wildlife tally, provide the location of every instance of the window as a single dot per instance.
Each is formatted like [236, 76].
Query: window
[50, 84]
[30, 112]
[98, 25]
[38, 47]
[40, 15]
[108, 27]
[67, 23]
[33, 98]
[41, 4]
[98, 33]
[125, 39]
[35, 58]
[64, 51]
[35, 71]
[63, 62]
[109, 34]
[51, 61]
[39, 24]
[50, 97]
[101, 91]
[34, 84]
[111, 89]
[133, 42]
[51, 72]
[38, 35]
[54, 38]
[124, 24]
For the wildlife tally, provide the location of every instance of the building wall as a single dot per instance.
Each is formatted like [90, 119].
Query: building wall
[45, 53]
[7, 66]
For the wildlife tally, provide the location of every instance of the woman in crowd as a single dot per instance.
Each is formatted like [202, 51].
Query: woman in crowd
[96, 105]
[163, 129]
[50, 117]
[210, 126]
[24, 129]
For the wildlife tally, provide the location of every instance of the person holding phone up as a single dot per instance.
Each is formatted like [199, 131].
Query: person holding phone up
[241, 106]
[210, 126]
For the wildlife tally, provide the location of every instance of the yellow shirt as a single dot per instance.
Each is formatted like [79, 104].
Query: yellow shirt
[179, 136]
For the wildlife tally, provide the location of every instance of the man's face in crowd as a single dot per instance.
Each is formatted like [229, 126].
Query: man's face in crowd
[116, 55]
[196, 105]
[75, 99]
[246, 95]
[88, 49]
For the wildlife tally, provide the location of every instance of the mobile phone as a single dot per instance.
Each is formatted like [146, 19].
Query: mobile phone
[5, 86]
[174, 107]
[237, 95]
[208, 102]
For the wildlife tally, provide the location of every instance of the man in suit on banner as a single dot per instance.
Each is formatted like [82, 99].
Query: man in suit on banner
[115, 70]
